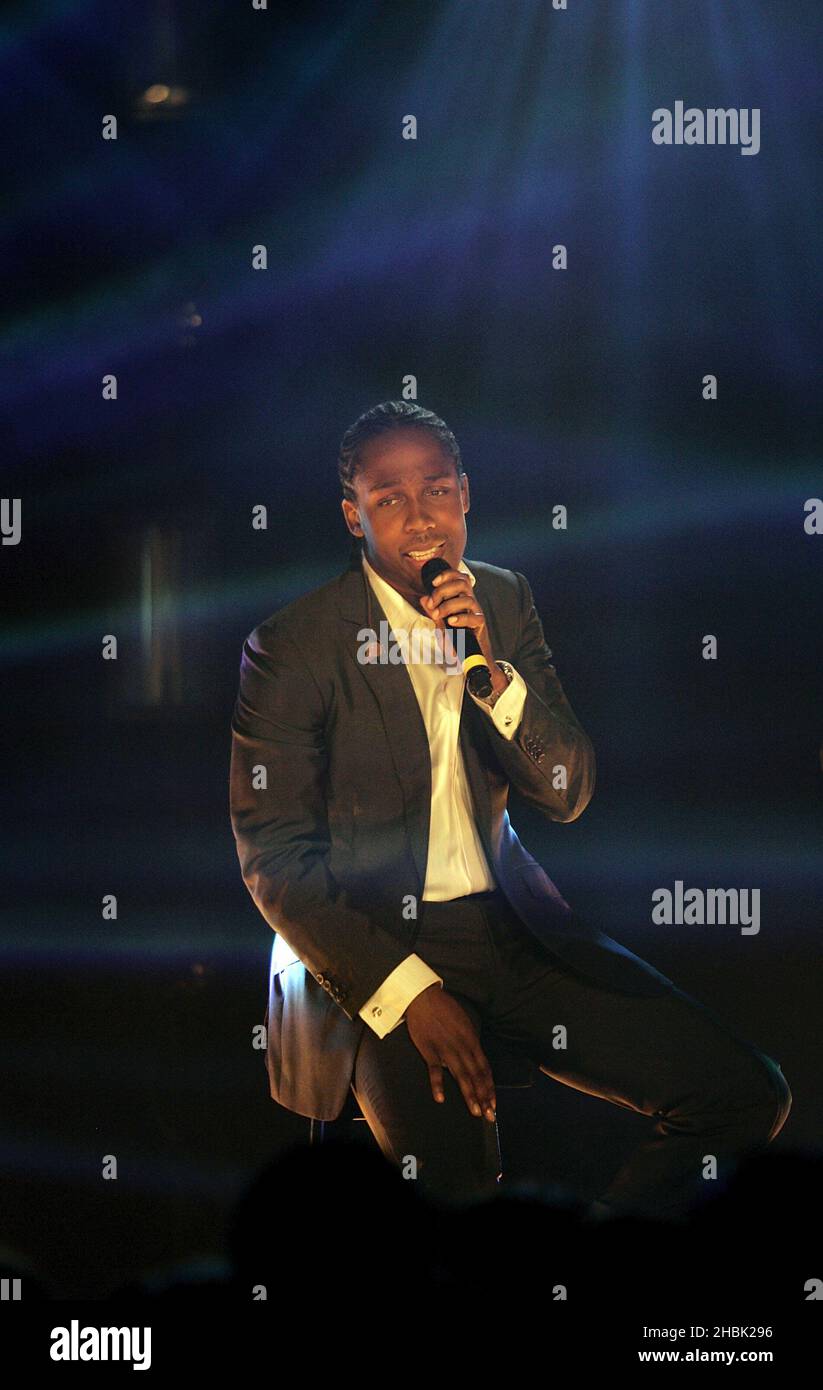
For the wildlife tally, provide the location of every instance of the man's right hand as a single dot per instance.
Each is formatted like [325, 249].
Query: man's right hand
[445, 1036]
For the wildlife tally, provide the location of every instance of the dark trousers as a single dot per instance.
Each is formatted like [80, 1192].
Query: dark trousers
[669, 1057]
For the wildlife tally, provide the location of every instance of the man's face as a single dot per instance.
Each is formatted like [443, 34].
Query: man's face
[409, 503]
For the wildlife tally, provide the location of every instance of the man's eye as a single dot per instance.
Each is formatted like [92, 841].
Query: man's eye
[383, 502]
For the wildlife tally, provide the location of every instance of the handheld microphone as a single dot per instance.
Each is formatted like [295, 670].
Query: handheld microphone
[477, 673]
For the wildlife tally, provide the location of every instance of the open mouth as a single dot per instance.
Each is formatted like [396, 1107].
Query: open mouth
[421, 556]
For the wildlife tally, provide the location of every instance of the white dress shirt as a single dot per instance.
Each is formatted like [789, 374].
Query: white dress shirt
[457, 864]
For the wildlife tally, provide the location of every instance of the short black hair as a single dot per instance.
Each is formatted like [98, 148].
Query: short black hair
[391, 415]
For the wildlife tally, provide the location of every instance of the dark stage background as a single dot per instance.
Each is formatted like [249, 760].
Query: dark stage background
[388, 258]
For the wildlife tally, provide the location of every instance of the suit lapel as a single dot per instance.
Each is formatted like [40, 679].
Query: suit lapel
[474, 733]
[399, 711]
[404, 726]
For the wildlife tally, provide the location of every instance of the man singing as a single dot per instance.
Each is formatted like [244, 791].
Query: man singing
[368, 804]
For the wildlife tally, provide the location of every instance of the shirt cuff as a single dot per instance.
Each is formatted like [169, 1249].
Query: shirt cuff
[508, 707]
[386, 1007]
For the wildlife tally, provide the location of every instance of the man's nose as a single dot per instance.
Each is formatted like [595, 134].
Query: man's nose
[418, 521]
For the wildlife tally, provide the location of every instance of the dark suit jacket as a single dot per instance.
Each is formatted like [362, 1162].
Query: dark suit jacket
[330, 793]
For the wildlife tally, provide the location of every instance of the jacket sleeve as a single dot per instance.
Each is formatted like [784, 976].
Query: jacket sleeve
[549, 736]
[280, 824]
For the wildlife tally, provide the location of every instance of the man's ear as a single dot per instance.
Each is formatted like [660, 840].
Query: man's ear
[351, 516]
[464, 492]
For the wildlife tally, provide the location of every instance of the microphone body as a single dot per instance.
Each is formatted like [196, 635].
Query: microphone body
[475, 669]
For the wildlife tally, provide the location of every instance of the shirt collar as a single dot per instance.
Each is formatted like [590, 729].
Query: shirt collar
[398, 610]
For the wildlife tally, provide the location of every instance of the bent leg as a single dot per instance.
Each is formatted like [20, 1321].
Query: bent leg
[721, 1101]
[714, 1095]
